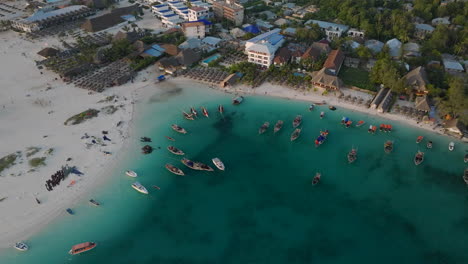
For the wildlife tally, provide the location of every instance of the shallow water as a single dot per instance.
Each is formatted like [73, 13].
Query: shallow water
[263, 208]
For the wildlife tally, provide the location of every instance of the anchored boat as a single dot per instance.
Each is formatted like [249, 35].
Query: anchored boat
[196, 165]
[188, 116]
[220, 109]
[451, 146]
[388, 146]
[94, 202]
[296, 134]
[174, 169]
[264, 128]
[297, 121]
[238, 100]
[418, 158]
[21, 246]
[175, 150]
[179, 129]
[278, 126]
[131, 173]
[193, 111]
[218, 163]
[419, 139]
[316, 178]
[321, 138]
[322, 114]
[352, 155]
[140, 188]
[83, 247]
[465, 176]
[429, 144]
[204, 111]
[360, 123]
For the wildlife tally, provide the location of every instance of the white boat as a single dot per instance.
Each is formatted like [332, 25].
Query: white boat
[218, 163]
[131, 174]
[137, 186]
[451, 146]
[21, 246]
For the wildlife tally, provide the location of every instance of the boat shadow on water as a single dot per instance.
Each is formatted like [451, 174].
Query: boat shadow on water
[165, 95]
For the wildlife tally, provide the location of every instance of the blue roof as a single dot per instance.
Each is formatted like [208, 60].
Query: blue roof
[206, 22]
[129, 17]
[153, 52]
[252, 29]
[275, 39]
[158, 48]
[185, 12]
[170, 15]
[182, 8]
[160, 5]
[165, 11]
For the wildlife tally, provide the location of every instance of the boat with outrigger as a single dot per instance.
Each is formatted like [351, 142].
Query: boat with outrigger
[321, 138]
[322, 114]
[388, 146]
[264, 128]
[205, 112]
[188, 116]
[238, 100]
[297, 121]
[196, 165]
[174, 169]
[418, 158]
[352, 155]
[419, 139]
[175, 150]
[316, 178]
[221, 109]
[218, 163]
[278, 126]
[179, 129]
[296, 134]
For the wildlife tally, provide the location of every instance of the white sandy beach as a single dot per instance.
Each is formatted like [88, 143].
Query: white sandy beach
[33, 109]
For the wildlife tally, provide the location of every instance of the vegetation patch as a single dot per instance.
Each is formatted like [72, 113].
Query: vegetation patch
[81, 117]
[36, 162]
[109, 110]
[107, 99]
[7, 161]
[31, 151]
[49, 151]
[356, 77]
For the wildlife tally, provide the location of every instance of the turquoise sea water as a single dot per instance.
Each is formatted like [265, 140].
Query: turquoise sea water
[263, 208]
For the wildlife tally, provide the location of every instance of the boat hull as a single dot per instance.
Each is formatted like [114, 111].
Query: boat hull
[88, 248]
[218, 163]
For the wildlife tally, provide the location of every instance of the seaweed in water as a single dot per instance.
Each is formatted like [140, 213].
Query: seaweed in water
[165, 95]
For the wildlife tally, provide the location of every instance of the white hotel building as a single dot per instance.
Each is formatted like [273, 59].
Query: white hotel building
[262, 48]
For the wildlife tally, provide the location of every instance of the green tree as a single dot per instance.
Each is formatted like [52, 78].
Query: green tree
[363, 52]
[458, 98]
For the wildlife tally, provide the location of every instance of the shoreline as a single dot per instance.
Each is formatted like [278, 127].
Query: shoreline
[277, 91]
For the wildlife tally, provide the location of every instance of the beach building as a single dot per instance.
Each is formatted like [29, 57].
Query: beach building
[440, 21]
[422, 103]
[454, 127]
[194, 29]
[229, 10]
[423, 30]
[323, 79]
[411, 49]
[237, 32]
[386, 102]
[170, 49]
[452, 66]
[334, 61]
[42, 19]
[356, 33]
[187, 58]
[210, 43]
[48, 52]
[282, 57]
[290, 32]
[251, 29]
[262, 48]
[198, 13]
[374, 45]
[417, 80]
[394, 46]
[191, 43]
[379, 97]
[115, 17]
[332, 30]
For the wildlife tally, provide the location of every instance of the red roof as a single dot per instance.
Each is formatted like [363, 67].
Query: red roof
[198, 8]
[283, 56]
[334, 60]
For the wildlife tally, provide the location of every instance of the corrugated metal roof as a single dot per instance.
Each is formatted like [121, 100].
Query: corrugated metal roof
[153, 52]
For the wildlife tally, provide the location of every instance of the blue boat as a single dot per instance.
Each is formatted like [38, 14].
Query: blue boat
[344, 120]
[321, 138]
[161, 78]
[70, 211]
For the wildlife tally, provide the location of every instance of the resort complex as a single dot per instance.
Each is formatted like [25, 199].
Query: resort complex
[150, 117]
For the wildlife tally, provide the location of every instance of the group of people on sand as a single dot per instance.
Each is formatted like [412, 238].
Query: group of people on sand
[55, 180]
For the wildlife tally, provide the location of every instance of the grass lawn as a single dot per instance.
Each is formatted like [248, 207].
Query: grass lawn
[356, 77]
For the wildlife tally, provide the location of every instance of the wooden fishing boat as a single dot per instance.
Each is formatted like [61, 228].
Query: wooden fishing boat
[175, 150]
[311, 107]
[465, 176]
[21, 246]
[316, 178]
[297, 121]
[331, 107]
[204, 111]
[3, 199]
[278, 126]
[352, 155]
[37, 201]
[171, 139]
[388, 146]
[322, 114]
[196, 165]
[218, 163]
[179, 129]
[70, 211]
[174, 169]
[349, 123]
[83, 247]
[156, 187]
[220, 109]
[193, 111]
[418, 158]
[264, 128]
[94, 202]
[145, 139]
[419, 139]
[296, 134]
[238, 100]
[429, 144]
[360, 123]
[321, 138]
[188, 116]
